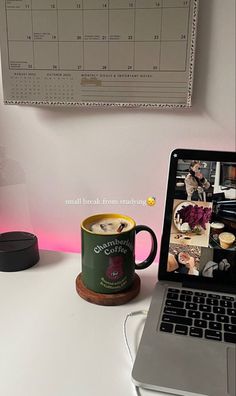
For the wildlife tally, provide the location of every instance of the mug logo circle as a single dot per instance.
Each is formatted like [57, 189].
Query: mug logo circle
[115, 269]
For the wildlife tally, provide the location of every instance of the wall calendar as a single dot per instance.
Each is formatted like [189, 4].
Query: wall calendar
[98, 52]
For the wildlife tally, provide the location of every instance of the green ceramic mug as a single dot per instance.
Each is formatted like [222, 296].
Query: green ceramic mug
[108, 252]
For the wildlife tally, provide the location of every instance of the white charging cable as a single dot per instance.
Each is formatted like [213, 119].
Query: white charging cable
[141, 312]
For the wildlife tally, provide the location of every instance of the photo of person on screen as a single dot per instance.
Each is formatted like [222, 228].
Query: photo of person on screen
[196, 183]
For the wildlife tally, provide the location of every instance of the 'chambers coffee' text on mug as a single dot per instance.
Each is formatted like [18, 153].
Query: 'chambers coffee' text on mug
[115, 246]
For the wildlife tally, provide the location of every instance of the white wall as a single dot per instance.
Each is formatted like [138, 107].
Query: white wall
[48, 155]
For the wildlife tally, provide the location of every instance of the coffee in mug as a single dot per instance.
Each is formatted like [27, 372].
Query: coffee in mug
[111, 226]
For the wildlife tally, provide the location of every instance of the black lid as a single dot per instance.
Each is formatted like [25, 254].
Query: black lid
[18, 251]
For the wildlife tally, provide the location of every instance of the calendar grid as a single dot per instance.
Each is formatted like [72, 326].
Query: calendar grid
[160, 36]
[99, 50]
[93, 9]
[83, 29]
[106, 43]
[134, 34]
[58, 52]
[8, 55]
[108, 32]
[31, 12]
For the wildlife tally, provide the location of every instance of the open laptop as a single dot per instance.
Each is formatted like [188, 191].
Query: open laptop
[188, 346]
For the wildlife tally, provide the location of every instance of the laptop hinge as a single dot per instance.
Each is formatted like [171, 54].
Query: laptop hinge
[209, 286]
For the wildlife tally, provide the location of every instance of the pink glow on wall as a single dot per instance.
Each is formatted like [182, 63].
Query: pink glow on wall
[58, 242]
[143, 246]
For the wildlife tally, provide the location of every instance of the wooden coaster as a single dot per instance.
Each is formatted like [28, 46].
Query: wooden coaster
[108, 299]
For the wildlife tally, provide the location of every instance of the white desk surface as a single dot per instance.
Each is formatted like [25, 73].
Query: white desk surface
[53, 343]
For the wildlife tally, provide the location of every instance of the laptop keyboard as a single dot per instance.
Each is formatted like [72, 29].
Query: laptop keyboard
[197, 314]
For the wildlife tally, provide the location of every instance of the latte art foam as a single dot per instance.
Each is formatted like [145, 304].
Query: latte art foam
[111, 226]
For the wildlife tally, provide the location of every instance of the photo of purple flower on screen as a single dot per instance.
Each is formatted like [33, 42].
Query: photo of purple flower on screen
[190, 217]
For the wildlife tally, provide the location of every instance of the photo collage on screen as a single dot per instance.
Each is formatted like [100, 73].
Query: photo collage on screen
[203, 228]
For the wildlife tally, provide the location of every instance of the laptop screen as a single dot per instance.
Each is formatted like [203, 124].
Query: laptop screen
[199, 236]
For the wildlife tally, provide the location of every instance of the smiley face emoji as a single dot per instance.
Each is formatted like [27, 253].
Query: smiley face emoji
[151, 201]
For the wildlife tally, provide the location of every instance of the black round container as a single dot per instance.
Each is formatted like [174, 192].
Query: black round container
[18, 251]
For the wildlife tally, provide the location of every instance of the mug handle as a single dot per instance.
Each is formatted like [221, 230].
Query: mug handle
[153, 251]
